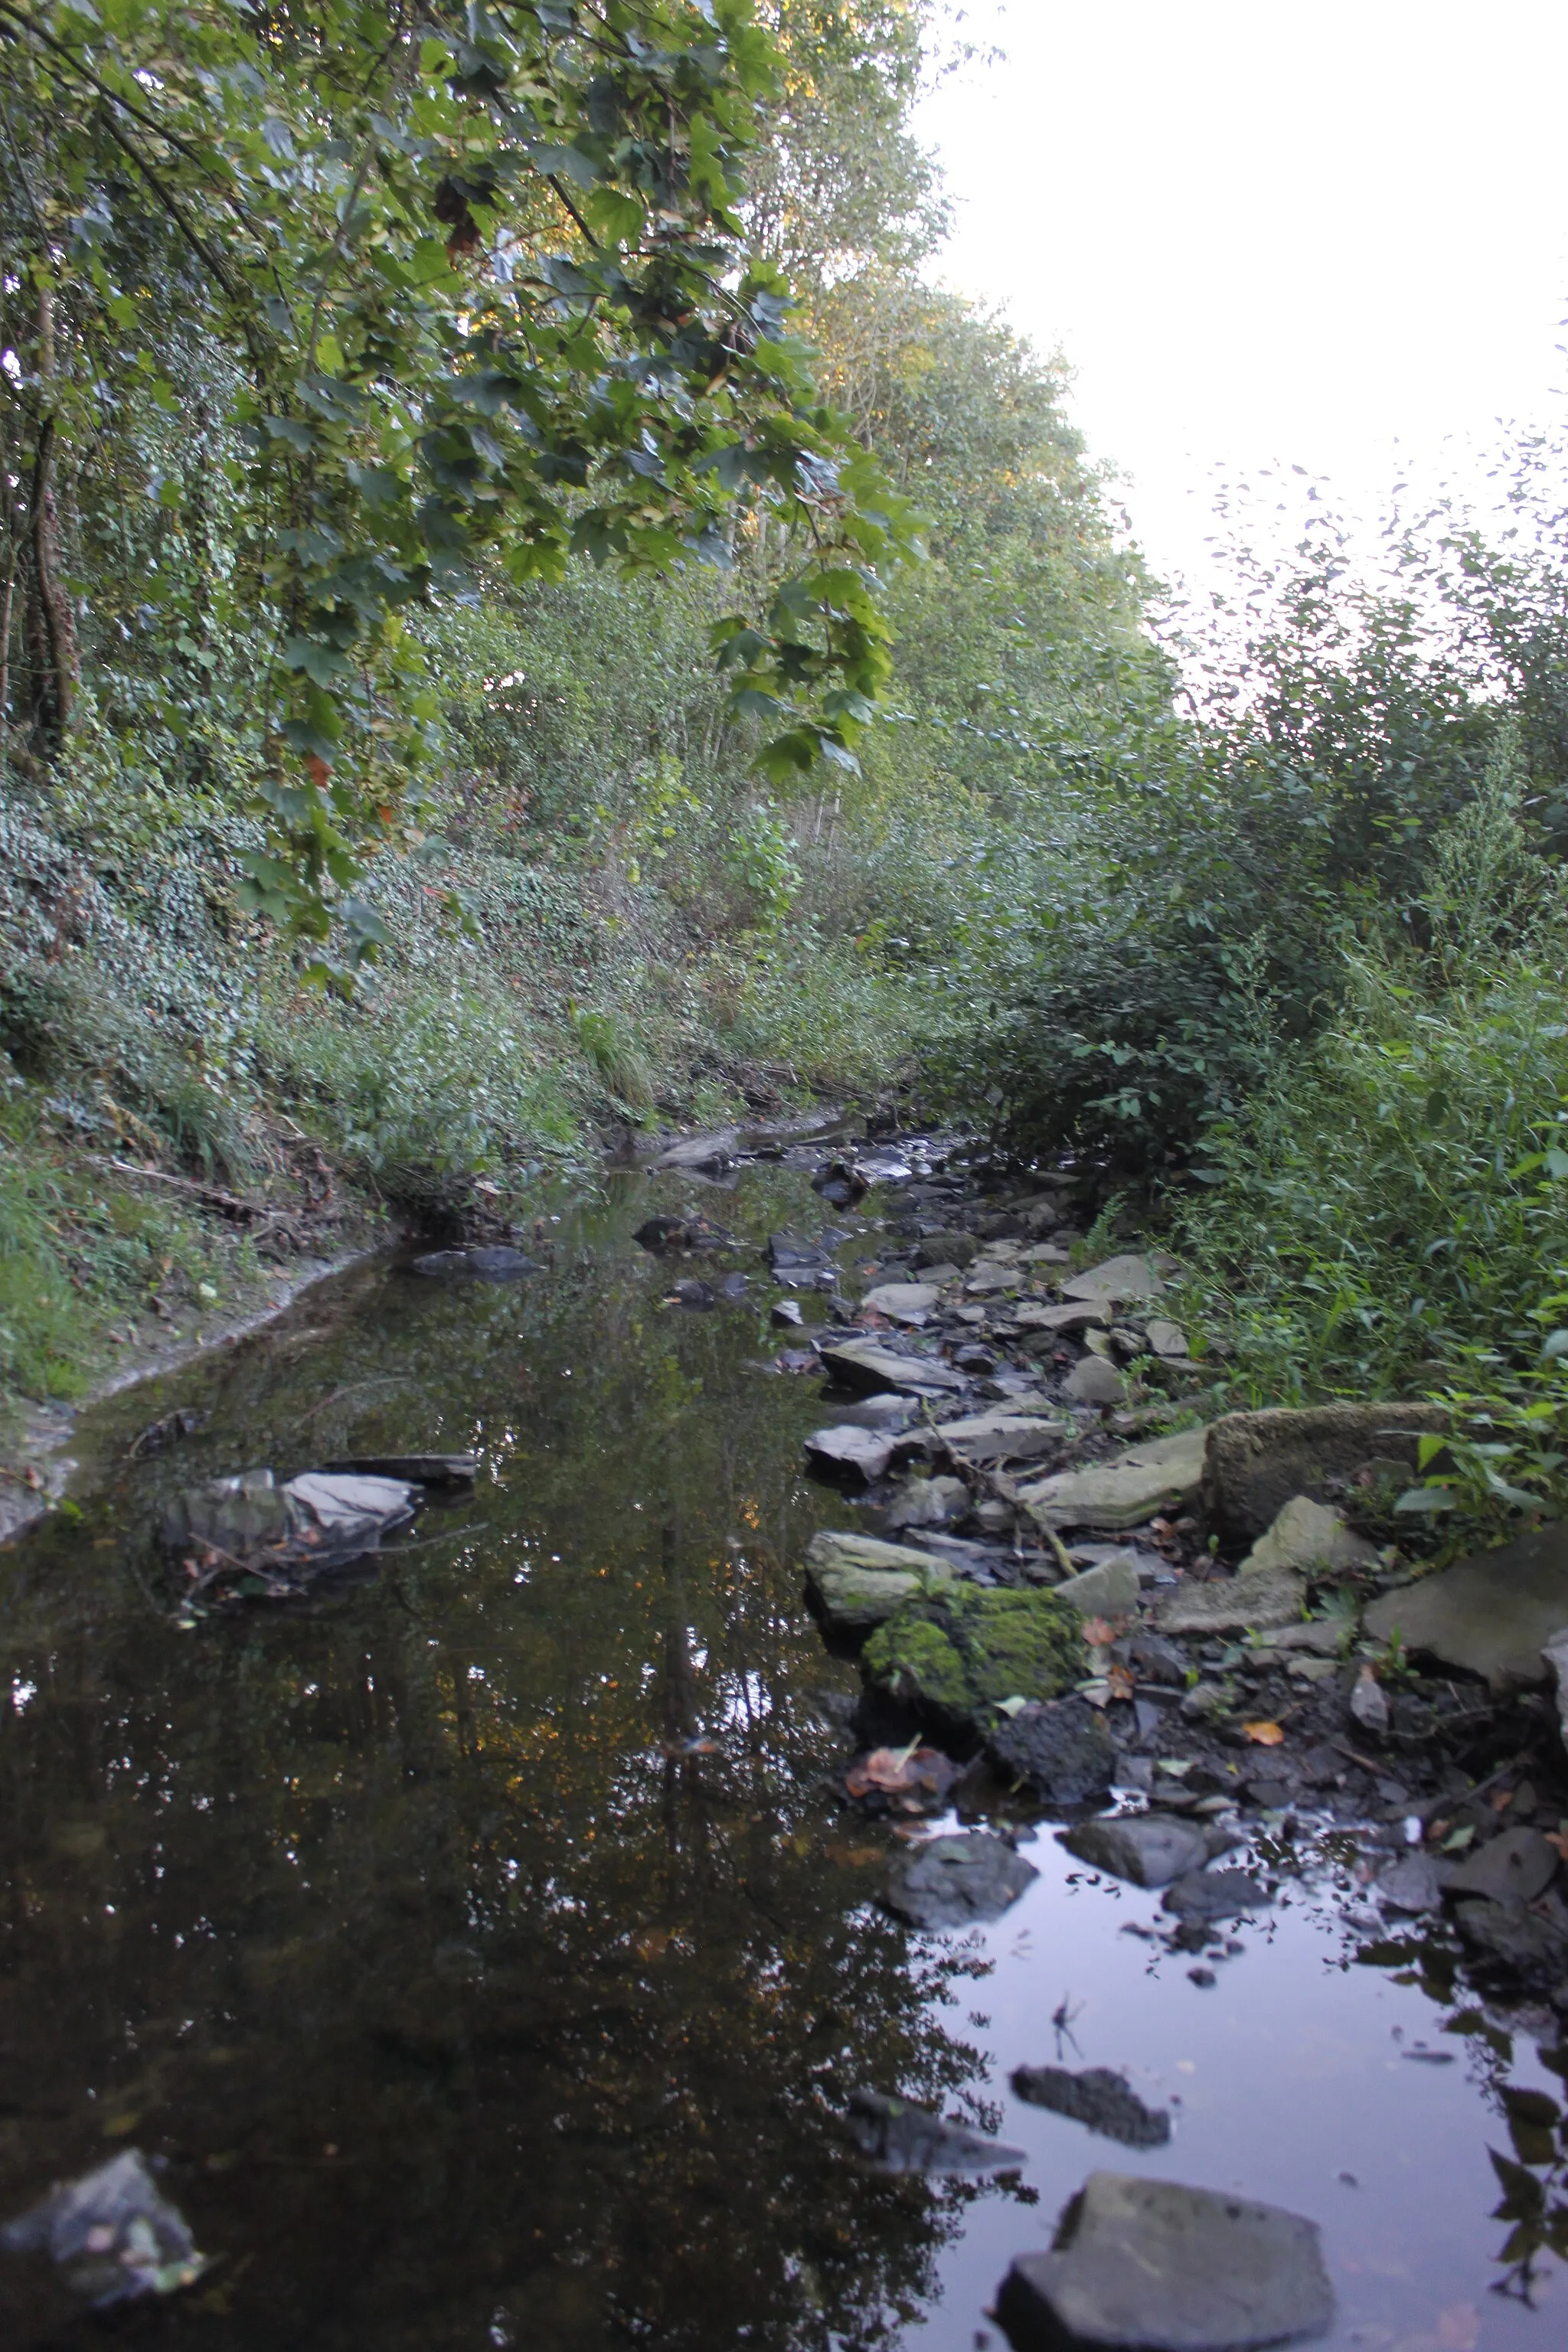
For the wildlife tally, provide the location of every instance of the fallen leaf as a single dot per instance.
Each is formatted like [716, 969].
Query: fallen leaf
[1098, 1632]
[1556, 1838]
[1501, 1799]
[1266, 1734]
[1121, 1682]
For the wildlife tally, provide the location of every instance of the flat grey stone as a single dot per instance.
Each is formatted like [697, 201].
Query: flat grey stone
[859, 1581]
[1414, 1882]
[1167, 1340]
[1072, 1315]
[1105, 2101]
[1153, 2266]
[1257, 1461]
[1061, 1747]
[951, 1882]
[1149, 1849]
[1117, 1280]
[1517, 1866]
[1094, 1381]
[1214, 1895]
[1162, 1474]
[1235, 1604]
[1001, 1435]
[1492, 1614]
[864, 1453]
[926, 1503]
[1320, 1637]
[1308, 1535]
[861, 1364]
[903, 1302]
[1109, 1590]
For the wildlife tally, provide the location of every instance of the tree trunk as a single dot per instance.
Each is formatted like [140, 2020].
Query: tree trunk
[50, 623]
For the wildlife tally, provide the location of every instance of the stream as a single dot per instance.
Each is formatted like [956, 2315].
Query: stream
[485, 1956]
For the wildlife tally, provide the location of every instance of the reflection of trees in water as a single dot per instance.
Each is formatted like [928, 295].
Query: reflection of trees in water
[437, 1880]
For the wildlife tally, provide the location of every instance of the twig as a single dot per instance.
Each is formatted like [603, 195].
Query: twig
[229, 1202]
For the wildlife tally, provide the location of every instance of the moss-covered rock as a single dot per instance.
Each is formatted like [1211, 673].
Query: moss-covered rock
[959, 1652]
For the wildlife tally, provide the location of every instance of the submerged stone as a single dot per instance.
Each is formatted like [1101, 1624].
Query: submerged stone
[959, 1652]
[1105, 2101]
[950, 1881]
[491, 1264]
[1208, 1895]
[1153, 2266]
[1149, 1849]
[1492, 1615]
[901, 2137]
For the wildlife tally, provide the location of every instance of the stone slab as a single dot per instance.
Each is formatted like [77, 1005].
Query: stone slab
[1492, 1614]
[1118, 1279]
[1235, 1604]
[862, 1365]
[858, 1582]
[1108, 1589]
[1308, 1535]
[1162, 1474]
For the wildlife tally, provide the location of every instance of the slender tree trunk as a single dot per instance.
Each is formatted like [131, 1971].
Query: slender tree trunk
[51, 625]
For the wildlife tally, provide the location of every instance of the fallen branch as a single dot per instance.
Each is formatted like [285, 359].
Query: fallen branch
[227, 1204]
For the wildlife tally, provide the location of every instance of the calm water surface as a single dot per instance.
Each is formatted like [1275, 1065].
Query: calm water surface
[467, 2006]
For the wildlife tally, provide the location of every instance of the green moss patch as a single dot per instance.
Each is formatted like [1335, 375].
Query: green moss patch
[960, 1653]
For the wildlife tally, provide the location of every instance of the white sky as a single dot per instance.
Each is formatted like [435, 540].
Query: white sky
[1330, 234]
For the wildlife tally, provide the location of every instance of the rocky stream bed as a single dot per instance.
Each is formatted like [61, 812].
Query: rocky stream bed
[757, 1763]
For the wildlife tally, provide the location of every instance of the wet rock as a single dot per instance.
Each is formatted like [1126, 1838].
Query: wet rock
[1002, 1435]
[904, 2138]
[1155, 1660]
[842, 1183]
[1061, 1748]
[1554, 1656]
[491, 1264]
[1209, 1895]
[902, 1302]
[1167, 1341]
[1118, 1281]
[337, 1510]
[786, 1311]
[159, 1435]
[1094, 1381]
[1533, 1948]
[1414, 1882]
[946, 1248]
[1320, 1637]
[886, 1411]
[861, 1364]
[787, 1255]
[1308, 1536]
[1257, 1461]
[1369, 1703]
[858, 1582]
[1109, 1590]
[1517, 1866]
[1160, 1475]
[1154, 2265]
[1492, 1615]
[926, 1503]
[958, 1652]
[698, 1297]
[951, 1882]
[1235, 1604]
[1105, 2101]
[413, 1469]
[1146, 1848]
[113, 2234]
[862, 1454]
[1072, 1315]
[707, 1155]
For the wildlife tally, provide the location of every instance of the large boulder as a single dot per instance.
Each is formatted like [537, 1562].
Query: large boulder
[1162, 1474]
[957, 1651]
[1257, 1461]
[1493, 1614]
[857, 1582]
[1166, 2268]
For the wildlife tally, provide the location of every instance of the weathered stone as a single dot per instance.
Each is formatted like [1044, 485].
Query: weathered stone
[846, 1451]
[709, 1155]
[1061, 1748]
[786, 1311]
[926, 1503]
[1519, 1940]
[862, 1364]
[1118, 1279]
[902, 1302]
[1554, 1656]
[1167, 1340]
[988, 1279]
[958, 1652]
[1162, 2268]
[899, 2138]
[1492, 1614]
[1094, 1381]
[946, 1249]
[1072, 1315]
[787, 1254]
[1162, 1474]
[1320, 1637]
[1108, 1589]
[1234, 1604]
[1257, 1461]
[1147, 1848]
[1209, 1895]
[1001, 1435]
[950, 1881]
[1515, 1867]
[857, 1582]
[1414, 1882]
[1105, 2101]
[491, 1264]
[1310, 1535]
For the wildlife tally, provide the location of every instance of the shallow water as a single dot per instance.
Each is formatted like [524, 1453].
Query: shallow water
[471, 2003]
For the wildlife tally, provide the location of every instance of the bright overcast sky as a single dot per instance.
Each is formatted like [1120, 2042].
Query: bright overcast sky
[1333, 235]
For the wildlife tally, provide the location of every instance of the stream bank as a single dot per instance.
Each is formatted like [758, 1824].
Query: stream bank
[490, 1950]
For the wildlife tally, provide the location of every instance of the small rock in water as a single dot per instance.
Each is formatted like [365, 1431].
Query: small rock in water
[494, 1263]
[1154, 2265]
[1062, 1749]
[1206, 1894]
[950, 1881]
[1147, 1848]
[112, 2233]
[862, 1455]
[904, 2138]
[786, 1311]
[1105, 2101]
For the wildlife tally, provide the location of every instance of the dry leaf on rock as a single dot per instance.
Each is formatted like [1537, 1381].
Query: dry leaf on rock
[1266, 1735]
